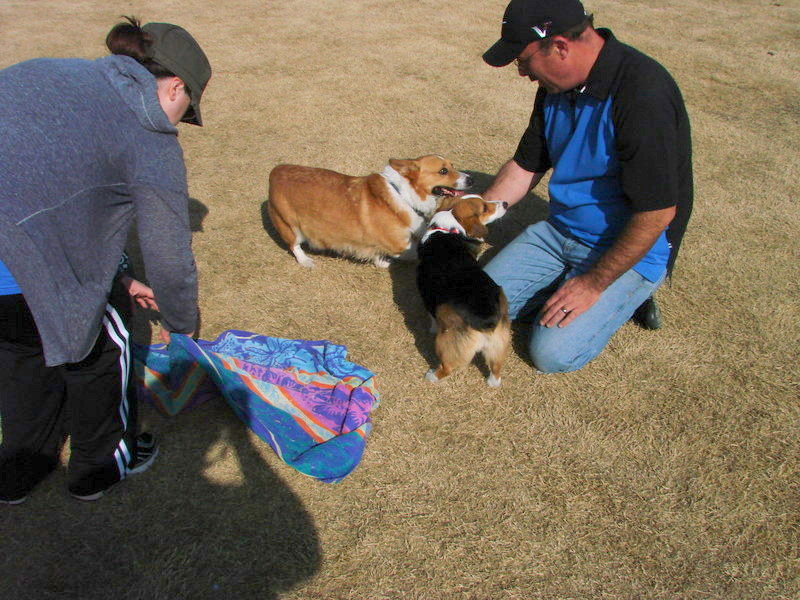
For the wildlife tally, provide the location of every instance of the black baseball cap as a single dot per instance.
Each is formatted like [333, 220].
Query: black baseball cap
[527, 21]
[174, 49]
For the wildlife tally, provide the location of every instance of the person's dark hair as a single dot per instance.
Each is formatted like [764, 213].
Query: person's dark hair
[573, 33]
[129, 39]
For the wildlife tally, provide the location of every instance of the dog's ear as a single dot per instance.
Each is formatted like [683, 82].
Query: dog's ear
[446, 202]
[475, 228]
[405, 166]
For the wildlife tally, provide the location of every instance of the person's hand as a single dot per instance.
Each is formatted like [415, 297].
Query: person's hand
[164, 334]
[573, 298]
[140, 293]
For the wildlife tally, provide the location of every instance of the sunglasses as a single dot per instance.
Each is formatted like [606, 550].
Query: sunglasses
[521, 60]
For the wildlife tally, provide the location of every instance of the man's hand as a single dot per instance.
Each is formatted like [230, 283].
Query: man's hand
[573, 298]
[579, 293]
[511, 184]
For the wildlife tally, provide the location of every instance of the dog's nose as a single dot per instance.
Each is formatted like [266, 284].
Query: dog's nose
[505, 205]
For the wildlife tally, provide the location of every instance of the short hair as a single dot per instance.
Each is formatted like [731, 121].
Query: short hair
[573, 33]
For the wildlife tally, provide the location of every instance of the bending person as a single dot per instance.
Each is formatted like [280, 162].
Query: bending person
[87, 147]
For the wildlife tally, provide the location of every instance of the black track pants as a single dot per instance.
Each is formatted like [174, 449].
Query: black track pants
[90, 401]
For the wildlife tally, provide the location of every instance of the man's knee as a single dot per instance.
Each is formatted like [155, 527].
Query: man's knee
[556, 356]
[548, 363]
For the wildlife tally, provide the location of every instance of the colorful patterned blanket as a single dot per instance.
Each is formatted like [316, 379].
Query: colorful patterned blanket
[303, 398]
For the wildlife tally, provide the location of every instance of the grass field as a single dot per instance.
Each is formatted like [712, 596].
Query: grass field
[667, 468]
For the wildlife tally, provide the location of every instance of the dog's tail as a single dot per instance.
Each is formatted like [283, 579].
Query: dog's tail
[449, 317]
[482, 311]
[462, 318]
[486, 322]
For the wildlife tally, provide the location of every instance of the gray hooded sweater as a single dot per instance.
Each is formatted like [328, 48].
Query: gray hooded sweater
[84, 149]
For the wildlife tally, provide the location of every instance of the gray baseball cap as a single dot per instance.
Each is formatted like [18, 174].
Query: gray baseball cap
[174, 49]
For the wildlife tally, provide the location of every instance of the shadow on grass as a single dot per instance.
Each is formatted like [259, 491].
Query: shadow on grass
[209, 520]
[266, 223]
[415, 317]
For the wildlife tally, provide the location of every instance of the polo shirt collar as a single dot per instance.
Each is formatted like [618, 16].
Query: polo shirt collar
[598, 84]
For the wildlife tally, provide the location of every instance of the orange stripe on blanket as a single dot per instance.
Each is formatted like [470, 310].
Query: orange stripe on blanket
[161, 378]
[307, 415]
[315, 377]
[245, 378]
[308, 430]
[249, 383]
[189, 375]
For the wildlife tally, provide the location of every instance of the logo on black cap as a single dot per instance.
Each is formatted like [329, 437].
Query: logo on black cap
[543, 30]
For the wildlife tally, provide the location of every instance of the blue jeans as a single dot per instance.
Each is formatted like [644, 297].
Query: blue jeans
[533, 266]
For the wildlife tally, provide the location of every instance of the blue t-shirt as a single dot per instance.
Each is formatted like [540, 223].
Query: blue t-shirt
[587, 201]
[8, 285]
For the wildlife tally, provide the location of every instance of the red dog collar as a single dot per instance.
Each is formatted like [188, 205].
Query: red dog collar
[451, 230]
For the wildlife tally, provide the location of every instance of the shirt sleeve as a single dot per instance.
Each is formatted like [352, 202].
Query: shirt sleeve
[165, 240]
[532, 154]
[647, 137]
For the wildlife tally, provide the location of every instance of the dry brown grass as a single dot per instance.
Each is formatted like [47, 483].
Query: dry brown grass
[667, 468]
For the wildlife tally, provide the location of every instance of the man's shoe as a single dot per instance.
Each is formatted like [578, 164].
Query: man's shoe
[146, 453]
[92, 497]
[648, 315]
[15, 501]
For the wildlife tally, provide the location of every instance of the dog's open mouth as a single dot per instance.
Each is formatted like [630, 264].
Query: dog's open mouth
[441, 190]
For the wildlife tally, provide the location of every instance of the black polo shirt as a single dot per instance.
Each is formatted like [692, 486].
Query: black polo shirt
[619, 143]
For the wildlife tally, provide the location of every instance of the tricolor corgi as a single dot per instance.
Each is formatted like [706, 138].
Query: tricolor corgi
[371, 217]
[469, 309]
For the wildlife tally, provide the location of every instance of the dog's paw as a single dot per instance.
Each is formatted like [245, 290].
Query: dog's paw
[493, 381]
[306, 262]
[381, 261]
[302, 257]
[431, 376]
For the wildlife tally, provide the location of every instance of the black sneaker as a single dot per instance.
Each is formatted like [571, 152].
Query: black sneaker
[15, 501]
[648, 315]
[146, 453]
